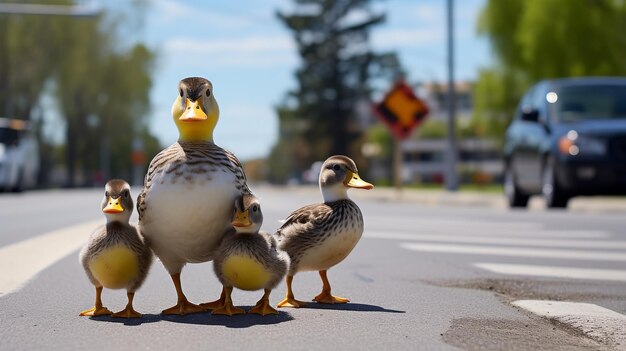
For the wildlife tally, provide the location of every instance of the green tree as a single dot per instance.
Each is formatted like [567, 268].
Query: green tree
[541, 39]
[28, 56]
[29, 48]
[318, 118]
[101, 83]
[103, 93]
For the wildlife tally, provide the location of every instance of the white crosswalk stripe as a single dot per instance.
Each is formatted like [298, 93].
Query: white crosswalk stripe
[520, 240]
[529, 243]
[484, 228]
[553, 271]
[595, 321]
[476, 239]
[517, 251]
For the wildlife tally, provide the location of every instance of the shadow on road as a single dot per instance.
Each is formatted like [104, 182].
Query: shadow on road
[240, 321]
[146, 318]
[358, 307]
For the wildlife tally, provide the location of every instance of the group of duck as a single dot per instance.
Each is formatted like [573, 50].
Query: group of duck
[196, 206]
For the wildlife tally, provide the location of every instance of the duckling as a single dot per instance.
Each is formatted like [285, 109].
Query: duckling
[248, 259]
[189, 190]
[115, 256]
[319, 236]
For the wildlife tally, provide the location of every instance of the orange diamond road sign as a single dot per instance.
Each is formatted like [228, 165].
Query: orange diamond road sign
[401, 110]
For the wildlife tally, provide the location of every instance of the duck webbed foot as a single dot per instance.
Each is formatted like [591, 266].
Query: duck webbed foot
[263, 307]
[98, 309]
[228, 308]
[217, 303]
[290, 300]
[183, 306]
[129, 311]
[325, 296]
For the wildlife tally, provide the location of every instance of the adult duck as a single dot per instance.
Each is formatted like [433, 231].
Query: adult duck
[189, 191]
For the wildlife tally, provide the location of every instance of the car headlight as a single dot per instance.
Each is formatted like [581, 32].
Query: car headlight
[575, 144]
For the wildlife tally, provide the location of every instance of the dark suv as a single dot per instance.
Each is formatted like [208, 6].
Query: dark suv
[567, 138]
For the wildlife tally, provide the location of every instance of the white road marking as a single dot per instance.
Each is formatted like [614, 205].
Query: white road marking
[457, 224]
[24, 260]
[557, 272]
[443, 229]
[595, 321]
[587, 244]
[518, 252]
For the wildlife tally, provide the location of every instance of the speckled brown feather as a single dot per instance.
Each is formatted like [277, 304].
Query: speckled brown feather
[310, 225]
[203, 159]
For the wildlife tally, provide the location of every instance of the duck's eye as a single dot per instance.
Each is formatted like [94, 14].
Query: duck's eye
[181, 93]
[126, 193]
[106, 193]
[336, 167]
[255, 208]
[208, 92]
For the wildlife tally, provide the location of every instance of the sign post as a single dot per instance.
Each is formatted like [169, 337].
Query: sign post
[402, 112]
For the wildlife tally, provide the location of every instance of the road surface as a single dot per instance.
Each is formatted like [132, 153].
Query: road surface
[424, 276]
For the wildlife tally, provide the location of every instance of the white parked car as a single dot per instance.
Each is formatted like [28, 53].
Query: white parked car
[19, 156]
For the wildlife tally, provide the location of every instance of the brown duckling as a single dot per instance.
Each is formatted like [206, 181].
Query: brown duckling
[319, 236]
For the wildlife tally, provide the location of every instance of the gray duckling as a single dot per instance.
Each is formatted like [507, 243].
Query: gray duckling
[116, 257]
[319, 236]
[249, 259]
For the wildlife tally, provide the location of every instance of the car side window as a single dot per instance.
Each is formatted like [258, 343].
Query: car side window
[524, 103]
[539, 102]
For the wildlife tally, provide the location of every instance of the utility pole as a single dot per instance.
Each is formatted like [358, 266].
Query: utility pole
[451, 181]
[398, 163]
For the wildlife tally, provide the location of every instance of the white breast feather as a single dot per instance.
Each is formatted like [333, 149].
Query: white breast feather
[184, 220]
[331, 251]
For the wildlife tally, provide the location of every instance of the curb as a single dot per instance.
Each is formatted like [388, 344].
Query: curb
[436, 198]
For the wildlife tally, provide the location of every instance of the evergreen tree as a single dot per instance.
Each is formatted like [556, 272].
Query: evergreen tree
[318, 119]
[101, 83]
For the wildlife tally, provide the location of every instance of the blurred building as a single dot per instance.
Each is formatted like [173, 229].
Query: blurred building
[479, 160]
[424, 156]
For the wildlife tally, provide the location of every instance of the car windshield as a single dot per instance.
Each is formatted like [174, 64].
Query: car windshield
[577, 103]
[8, 136]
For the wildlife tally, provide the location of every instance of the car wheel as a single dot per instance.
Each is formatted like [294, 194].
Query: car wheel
[515, 197]
[553, 194]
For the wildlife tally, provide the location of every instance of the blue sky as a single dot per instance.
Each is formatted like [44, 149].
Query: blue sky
[250, 57]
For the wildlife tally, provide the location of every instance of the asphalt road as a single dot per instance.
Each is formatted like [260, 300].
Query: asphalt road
[423, 277]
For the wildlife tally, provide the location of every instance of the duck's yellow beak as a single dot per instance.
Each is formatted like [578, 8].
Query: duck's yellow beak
[113, 206]
[194, 111]
[354, 181]
[241, 219]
